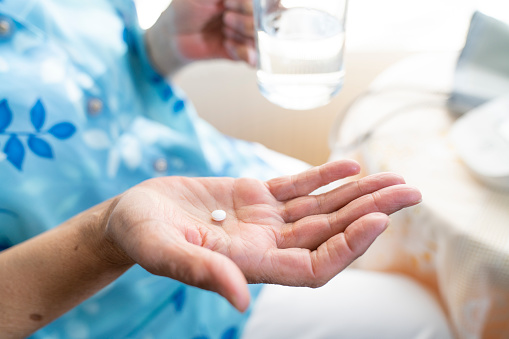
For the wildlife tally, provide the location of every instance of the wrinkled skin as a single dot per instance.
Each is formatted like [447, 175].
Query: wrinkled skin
[274, 232]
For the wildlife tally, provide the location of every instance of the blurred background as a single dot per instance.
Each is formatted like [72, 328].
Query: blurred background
[404, 54]
[379, 34]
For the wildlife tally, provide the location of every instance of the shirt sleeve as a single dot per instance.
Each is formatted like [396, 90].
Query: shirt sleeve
[134, 36]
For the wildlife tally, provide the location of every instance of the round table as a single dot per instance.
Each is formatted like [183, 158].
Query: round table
[456, 242]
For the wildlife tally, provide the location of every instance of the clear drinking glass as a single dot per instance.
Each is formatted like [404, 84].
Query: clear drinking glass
[300, 46]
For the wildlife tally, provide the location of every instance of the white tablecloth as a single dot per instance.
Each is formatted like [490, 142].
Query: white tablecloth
[456, 242]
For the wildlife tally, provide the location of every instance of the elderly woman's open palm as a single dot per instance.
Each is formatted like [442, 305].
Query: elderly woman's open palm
[274, 231]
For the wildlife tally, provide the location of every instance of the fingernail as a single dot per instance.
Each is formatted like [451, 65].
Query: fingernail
[230, 49]
[252, 57]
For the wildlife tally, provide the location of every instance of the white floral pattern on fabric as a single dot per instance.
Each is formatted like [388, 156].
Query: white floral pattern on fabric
[4, 66]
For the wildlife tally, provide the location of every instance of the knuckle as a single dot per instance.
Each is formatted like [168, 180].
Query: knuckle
[319, 200]
[360, 187]
[376, 199]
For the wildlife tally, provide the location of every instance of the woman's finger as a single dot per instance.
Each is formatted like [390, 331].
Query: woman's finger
[338, 252]
[302, 267]
[211, 271]
[237, 37]
[290, 187]
[241, 6]
[191, 264]
[243, 24]
[331, 201]
[241, 52]
[310, 232]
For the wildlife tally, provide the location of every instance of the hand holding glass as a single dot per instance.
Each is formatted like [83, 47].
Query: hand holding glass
[300, 46]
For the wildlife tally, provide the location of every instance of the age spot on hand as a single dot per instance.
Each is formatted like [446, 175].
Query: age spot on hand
[35, 317]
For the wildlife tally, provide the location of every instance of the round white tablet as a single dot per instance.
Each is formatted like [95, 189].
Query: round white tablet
[218, 215]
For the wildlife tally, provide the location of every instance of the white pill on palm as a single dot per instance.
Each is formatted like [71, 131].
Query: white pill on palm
[218, 215]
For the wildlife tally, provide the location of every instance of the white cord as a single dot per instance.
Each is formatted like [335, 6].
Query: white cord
[338, 149]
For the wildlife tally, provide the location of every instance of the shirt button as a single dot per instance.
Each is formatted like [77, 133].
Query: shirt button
[94, 106]
[161, 165]
[5, 27]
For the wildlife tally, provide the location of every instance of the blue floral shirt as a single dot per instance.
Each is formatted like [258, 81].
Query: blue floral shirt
[83, 117]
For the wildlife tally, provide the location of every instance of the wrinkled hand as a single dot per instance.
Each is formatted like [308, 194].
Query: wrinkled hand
[274, 232]
[205, 29]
